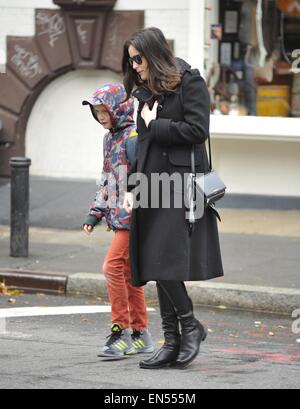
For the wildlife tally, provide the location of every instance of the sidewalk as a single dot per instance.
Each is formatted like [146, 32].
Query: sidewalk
[261, 261]
[260, 252]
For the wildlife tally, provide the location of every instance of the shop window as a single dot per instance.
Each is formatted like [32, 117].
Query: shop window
[256, 67]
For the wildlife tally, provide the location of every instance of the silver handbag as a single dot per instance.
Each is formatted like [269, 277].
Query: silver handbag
[209, 187]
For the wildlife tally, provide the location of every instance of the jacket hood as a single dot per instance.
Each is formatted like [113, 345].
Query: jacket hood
[112, 96]
[183, 65]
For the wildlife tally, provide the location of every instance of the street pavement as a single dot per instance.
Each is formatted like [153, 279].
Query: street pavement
[260, 247]
[252, 259]
[244, 350]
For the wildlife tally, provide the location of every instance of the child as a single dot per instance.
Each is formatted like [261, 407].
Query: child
[127, 302]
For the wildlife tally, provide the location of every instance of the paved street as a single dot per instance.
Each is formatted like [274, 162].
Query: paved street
[243, 350]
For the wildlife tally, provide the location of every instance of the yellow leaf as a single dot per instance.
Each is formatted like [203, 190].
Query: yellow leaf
[14, 292]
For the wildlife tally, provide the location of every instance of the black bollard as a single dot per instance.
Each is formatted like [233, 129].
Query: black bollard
[19, 235]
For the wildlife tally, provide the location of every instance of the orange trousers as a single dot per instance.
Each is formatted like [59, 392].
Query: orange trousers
[127, 302]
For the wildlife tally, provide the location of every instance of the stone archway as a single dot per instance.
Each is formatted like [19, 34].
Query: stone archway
[62, 138]
[82, 34]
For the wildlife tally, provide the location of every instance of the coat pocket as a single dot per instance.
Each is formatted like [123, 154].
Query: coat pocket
[181, 156]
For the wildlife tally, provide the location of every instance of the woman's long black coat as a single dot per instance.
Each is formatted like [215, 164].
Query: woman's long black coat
[161, 247]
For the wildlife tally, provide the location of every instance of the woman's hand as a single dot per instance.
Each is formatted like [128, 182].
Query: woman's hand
[88, 229]
[128, 202]
[149, 115]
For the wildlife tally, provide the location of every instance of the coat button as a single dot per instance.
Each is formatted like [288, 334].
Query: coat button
[164, 154]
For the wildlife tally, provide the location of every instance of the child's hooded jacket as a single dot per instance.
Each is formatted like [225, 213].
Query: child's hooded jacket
[109, 200]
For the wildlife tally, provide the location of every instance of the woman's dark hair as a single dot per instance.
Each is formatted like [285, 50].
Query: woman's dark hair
[164, 73]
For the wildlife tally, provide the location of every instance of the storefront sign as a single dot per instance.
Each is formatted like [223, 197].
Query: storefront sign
[226, 54]
[231, 22]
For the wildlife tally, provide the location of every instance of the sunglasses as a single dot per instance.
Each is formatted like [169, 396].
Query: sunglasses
[136, 59]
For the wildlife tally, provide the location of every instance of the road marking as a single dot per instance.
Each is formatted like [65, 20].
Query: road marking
[2, 326]
[4, 333]
[52, 311]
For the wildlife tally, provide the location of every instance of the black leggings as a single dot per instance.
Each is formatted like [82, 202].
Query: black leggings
[177, 295]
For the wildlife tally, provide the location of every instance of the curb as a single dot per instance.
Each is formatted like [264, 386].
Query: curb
[260, 299]
[247, 297]
[34, 282]
[235, 296]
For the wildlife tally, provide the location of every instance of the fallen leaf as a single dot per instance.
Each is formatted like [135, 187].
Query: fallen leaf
[222, 307]
[12, 300]
[210, 331]
[15, 292]
[271, 334]
[3, 289]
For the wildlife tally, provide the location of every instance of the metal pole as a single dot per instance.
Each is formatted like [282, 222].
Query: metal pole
[19, 238]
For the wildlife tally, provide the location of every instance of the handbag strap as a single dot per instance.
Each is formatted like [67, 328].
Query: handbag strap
[193, 162]
[193, 147]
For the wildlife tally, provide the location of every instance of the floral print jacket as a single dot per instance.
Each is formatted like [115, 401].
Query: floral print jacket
[112, 184]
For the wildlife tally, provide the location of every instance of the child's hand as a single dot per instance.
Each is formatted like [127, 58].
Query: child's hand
[88, 229]
[128, 202]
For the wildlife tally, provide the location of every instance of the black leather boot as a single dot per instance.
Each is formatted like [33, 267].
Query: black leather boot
[192, 331]
[192, 334]
[168, 354]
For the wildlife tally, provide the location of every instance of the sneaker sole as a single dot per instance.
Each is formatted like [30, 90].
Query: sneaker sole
[148, 350]
[106, 357]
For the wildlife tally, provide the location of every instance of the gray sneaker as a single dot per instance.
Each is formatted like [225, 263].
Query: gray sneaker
[142, 342]
[119, 342]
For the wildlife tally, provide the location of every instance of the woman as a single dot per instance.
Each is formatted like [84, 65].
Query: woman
[173, 116]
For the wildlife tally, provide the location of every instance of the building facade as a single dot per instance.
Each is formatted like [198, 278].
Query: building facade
[55, 53]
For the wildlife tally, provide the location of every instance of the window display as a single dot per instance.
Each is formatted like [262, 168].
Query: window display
[253, 70]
